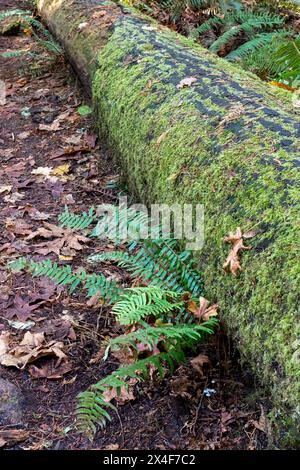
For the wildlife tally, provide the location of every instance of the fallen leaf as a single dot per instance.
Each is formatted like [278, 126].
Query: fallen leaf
[42, 170]
[123, 395]
[14, 197]
[17, 226]
[50, 371]
[232, 261]
[22, 309]
[66, 242]
[262, 424]
[199, 362]
[20, 325]
[203, 312]
[186, 82]
[180, 386]
[69, 382]
[84, 110]
[4, 342]
[31, 348]
[61, 170]
[111, 447]
[23, 135]
[9, 437]
[162, 137]
[5, 189]
[55, 126]
[95, 301]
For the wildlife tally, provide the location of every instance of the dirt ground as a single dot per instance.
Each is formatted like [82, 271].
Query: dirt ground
[41, 128]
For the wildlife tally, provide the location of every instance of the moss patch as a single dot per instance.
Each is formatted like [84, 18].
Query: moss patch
[229, 142]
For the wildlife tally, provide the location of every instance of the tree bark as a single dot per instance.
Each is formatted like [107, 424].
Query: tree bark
[228, 141]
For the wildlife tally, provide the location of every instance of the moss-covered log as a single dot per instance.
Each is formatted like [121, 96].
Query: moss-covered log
[228, 141]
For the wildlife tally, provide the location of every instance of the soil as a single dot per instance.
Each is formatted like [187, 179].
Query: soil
[217, 409]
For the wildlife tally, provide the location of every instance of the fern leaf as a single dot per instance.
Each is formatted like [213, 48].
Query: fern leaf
[77, 221]
[139, 303]
[251, 46]
[150, 336]
[63, 275]
[91, 408]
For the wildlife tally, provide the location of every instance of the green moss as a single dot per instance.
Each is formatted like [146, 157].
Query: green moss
[238, 182]
[243, 166]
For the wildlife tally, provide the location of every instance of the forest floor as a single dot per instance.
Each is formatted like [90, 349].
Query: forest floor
[41, 129]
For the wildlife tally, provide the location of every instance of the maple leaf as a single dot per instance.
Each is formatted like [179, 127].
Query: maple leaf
[21, 309]
[66, 242]
[31, 348]
[233, 261]
[203, 312]
[50, 371]
[61, 170]
[123, 395]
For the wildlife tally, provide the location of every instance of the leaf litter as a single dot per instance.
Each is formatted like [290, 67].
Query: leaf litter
[49, 335]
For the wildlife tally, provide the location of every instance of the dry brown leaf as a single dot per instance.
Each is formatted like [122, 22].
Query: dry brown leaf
[17, 226]
[180, 386]
[42, 171]
[66, 241]
[55, 126]
[199, 362]
[5, 189]
[162, 137]
[95, 301]
[233, 261]
[203, 312]
[111, 447]
[124, 395]
[50, 371]
[31, 348]
[14, 197]
[262, 424]
[186, 82]
[9, 437]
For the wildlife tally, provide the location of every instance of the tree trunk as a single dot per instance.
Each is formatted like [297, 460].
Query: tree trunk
[228, 141]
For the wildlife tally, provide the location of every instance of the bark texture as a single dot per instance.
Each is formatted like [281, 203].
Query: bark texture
[230, 142]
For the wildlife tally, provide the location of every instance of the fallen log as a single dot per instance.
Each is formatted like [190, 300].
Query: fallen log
[224, 139]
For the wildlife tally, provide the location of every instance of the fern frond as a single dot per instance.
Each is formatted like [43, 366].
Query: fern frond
[122, 224]
[27, 20]
[157, 262]
[251, 46]
[17, 53]
[141, 302]
[287, 55]
[91, 407]
[63, 275]
[208, 26]
[150, 335]
[77, 221]
[16, 12]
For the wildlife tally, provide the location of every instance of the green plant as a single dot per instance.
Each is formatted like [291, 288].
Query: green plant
[172, 339]
[287, 60]
[142, 302]
[24, 19]
[63, 275]
[206, 7]
[157, 261]
[242, 25]
[158, 315]
[279, 59]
